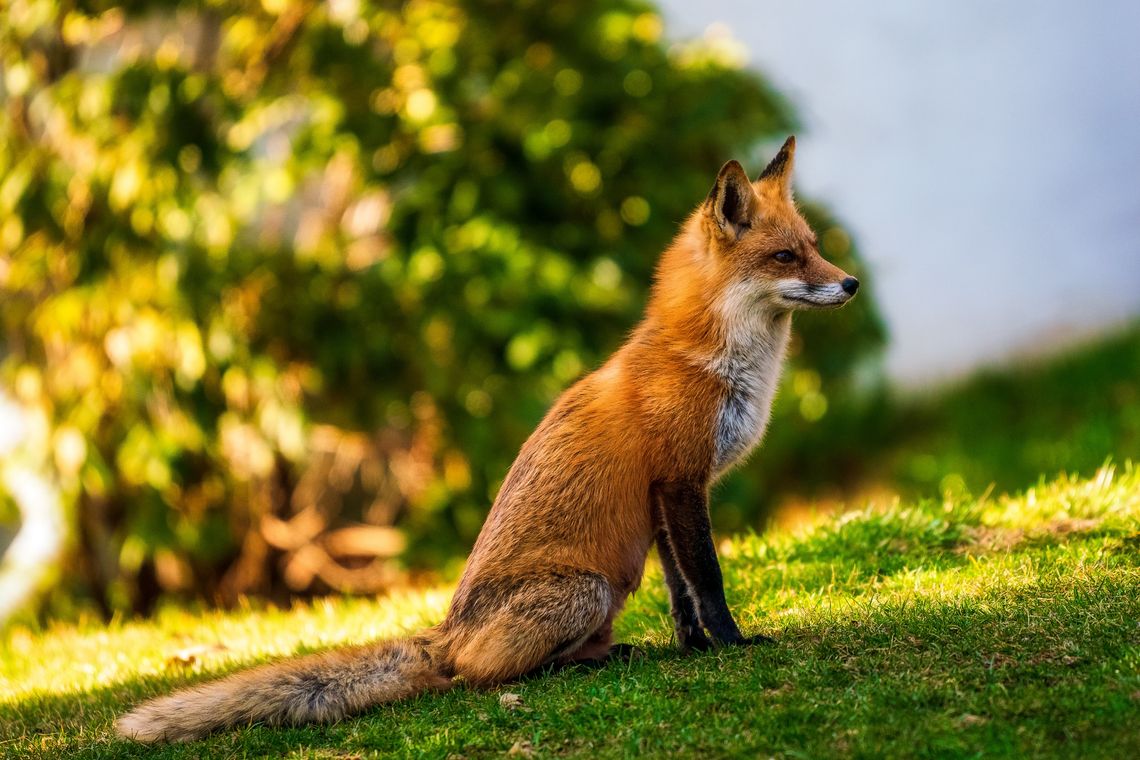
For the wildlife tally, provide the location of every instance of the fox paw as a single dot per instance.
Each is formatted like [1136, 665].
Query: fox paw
[757, 639]
[695, 641]
[624, 653]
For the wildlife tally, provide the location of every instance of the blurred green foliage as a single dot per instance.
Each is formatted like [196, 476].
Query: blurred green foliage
[1004, 429]
[272, 269]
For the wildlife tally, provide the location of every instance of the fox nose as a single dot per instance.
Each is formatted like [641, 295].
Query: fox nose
[850, 285]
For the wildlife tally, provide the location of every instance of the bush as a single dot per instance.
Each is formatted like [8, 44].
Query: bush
[287, 283]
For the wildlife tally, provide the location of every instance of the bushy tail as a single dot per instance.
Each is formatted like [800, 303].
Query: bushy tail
[318, 688]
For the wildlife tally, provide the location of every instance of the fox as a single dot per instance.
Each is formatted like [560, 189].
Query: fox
[622, 462]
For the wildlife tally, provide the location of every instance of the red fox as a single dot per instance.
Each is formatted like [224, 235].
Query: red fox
[622, 461]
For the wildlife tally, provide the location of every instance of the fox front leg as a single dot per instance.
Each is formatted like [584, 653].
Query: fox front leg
[686, 624]
[688, 536]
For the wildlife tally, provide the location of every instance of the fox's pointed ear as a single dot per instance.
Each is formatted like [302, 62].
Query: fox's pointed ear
[778, 172]
[732, 202]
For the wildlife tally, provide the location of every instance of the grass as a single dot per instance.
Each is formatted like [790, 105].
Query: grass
[1004, 627]
[1008, 426]
[1001, 428]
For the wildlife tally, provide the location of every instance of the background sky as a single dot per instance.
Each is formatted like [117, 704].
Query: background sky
[987, 157]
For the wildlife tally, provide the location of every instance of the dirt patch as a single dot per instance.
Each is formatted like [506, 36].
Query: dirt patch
[988, 540]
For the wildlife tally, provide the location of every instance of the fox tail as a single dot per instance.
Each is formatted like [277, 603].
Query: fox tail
[317, 688]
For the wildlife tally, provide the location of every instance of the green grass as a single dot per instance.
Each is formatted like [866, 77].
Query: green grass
[1006, 427]
[1005, 627]
[1002, 428]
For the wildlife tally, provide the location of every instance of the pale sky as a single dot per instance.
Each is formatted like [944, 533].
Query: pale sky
[985, 155]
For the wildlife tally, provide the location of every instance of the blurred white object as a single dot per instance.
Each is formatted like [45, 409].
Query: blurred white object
[31, 557]
[985, 155]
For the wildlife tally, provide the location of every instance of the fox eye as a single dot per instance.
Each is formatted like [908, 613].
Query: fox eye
[784, 257]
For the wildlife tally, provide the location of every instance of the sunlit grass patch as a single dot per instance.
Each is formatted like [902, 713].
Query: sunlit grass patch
[998, 626]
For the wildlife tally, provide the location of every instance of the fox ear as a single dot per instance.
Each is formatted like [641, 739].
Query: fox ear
[778, 172]
[732, 201]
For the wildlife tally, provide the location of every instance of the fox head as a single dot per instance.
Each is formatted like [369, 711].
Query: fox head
[761, 242]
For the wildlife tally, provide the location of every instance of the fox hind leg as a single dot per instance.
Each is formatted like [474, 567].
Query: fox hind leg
[542, 620]
[600, 650]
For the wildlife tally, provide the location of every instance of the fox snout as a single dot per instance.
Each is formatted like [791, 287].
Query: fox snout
[798, 294]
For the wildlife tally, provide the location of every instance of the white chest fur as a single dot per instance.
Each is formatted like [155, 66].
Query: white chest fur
[750, 367]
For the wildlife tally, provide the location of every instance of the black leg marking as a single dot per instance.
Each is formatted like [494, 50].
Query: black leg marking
[686, 624]
[685, 514]
[758, 639]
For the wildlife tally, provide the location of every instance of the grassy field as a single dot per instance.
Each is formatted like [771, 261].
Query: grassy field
[1004, 428]
[1004, 627]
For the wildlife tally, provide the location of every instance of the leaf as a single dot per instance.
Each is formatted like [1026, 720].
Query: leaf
[191, 655]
